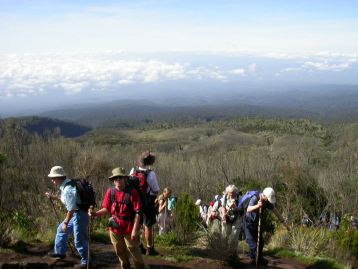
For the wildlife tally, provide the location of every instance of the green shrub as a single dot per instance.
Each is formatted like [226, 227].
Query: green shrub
[347, 240]
[23, 225]
[167, 240]
[186, 219]
[310, 241]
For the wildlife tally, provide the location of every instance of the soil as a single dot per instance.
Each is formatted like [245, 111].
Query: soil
[102, 256]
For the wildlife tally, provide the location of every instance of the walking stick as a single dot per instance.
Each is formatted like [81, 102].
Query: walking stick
[89, 239]
[258, 238]
[59, 220]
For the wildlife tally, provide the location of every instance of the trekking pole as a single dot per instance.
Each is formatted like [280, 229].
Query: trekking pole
[59, 220]
[258, 239]
[89, 239]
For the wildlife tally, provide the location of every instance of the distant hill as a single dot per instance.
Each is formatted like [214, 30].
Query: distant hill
[318, 102]
[130, 114]
[43, 126]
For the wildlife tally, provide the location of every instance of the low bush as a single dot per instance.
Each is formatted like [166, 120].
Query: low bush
[167, 240]
[186, 219]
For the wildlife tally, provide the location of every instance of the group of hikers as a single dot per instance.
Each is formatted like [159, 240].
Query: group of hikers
[239, 216]
[131, 204]
[134, 205]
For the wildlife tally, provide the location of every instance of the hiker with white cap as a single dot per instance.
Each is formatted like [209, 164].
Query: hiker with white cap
[76, 220]
[256, 204]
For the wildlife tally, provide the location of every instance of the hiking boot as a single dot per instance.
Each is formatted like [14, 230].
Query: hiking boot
[142, 249]
[57, 256]
[151, 251]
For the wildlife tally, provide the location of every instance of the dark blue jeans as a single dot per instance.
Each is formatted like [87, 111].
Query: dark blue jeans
[251, 230]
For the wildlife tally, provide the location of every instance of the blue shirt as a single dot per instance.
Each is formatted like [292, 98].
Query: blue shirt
[253, 215]
[69, 196]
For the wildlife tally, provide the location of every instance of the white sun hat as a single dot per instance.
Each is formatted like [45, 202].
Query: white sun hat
[57, 171]
[270, 194]
[198, 202]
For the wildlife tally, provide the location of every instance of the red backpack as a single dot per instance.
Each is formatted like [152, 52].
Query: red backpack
[142, 176]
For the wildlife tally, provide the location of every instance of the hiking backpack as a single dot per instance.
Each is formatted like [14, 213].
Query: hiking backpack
[245, 200]
[141, 183]
[85, 191]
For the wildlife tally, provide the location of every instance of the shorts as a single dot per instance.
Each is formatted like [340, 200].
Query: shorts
[150, 214]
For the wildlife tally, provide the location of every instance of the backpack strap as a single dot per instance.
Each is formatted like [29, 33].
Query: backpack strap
[125, 199]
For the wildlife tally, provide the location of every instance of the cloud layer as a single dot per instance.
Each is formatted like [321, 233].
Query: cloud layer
[32, 75]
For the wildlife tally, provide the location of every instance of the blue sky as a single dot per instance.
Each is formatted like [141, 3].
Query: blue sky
[264, 26]
[76, 47]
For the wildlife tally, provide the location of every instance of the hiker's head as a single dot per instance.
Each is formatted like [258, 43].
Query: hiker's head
[57, 175]
[198, 202]
[119, 177]
[268, 194]
[167, 192]
[231, 190]
[146, 158]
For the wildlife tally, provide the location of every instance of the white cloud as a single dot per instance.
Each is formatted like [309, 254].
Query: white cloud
[239, 72]
[72, 74]
[326, 66]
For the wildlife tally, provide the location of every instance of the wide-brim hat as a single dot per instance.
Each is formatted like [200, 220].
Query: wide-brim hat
[57, 171]
[146, 158]
[118, 172]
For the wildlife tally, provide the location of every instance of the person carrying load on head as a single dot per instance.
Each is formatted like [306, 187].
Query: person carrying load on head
[150, 188]
[254, 204]
[76, 220]
[124, 205]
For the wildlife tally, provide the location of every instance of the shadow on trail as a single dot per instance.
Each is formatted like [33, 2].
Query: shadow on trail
[163, 266]
[321, 264]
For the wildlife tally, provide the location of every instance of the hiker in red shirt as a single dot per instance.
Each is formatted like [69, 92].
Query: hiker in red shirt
[123, 203]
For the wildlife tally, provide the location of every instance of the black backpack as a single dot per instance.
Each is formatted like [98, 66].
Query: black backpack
[85, 191]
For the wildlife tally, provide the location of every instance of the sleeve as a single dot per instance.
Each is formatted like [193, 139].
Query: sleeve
[70, 198]
[153, 182]
[107, 200]
[253, 201]
[135, 200]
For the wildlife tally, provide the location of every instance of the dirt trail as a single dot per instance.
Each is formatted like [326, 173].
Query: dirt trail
[103, 256]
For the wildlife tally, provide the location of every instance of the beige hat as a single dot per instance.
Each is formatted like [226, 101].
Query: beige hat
[270, 194]
[57, 171]
[118, 172]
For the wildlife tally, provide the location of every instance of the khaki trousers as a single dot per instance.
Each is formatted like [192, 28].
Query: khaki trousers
[122, 245]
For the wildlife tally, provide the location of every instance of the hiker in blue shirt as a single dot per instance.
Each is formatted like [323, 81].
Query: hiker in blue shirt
[76, 220]
[264, 200]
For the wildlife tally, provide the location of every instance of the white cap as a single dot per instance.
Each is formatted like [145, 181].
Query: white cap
[216, 197]
[198, 202]
[270, 194]
[57, 171]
